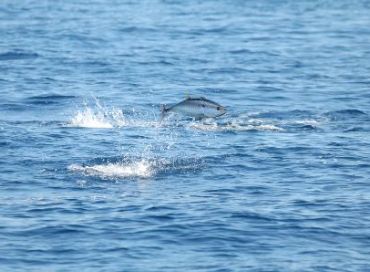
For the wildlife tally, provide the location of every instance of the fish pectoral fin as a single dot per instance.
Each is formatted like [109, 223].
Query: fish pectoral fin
[163, 108]
[163, 112]
[199, 117]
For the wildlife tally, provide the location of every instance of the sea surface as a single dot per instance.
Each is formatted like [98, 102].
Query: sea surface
[91, 180]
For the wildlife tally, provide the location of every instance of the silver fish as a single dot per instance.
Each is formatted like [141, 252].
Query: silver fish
[197, 108]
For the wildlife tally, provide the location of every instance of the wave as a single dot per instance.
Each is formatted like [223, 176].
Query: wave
[357, 129]
[344, 114]
[17, 55]
[34, 102]
[48, 99]
[303, 124]
[283, 115]
[135, 29]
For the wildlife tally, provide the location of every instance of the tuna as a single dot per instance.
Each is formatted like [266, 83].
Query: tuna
[197, 108]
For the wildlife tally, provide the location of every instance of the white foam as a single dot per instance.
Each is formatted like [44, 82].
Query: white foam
[268, 128]
[308, 122]
[141, 169]
[234, 127]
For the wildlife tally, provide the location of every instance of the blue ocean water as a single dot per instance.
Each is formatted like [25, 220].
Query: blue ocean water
[92, 181]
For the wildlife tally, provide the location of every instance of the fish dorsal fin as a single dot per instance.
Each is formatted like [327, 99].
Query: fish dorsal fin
[188, 97]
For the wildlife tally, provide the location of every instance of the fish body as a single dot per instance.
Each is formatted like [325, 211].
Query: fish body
[196, 107]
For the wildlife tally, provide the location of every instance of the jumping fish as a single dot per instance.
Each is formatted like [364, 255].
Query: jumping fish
[196, 107]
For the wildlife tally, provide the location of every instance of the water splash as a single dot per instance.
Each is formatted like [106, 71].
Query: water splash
[137, 167]
[99, 116]
[142, 168]
[90, 119]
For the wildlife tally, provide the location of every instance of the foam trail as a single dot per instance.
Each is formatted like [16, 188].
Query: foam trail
[234, 126]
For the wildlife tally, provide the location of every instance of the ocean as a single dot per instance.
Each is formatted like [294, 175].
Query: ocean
[91, 180]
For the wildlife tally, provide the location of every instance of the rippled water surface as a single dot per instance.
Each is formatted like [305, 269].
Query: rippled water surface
[91, 180]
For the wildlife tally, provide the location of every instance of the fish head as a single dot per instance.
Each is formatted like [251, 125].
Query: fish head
[221, 110]
[217, 110]
[213, 110]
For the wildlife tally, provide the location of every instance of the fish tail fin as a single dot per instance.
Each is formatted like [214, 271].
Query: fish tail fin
[163, 112]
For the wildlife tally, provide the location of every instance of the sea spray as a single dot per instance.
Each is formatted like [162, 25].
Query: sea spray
[96, 115]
